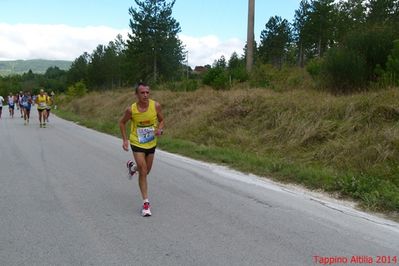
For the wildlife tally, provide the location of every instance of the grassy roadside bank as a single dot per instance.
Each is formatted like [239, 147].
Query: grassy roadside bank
[347, 145]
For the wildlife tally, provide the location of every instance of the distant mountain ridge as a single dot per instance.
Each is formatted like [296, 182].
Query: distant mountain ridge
[38, 66]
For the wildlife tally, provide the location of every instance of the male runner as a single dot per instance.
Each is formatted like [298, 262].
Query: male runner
[11, 105]
[1, 105]
[147, 124]
[19, 103]
[41, 101]
[26, 105]
[49, 104]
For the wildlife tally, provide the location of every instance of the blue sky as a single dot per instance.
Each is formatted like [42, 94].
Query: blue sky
[210, 28]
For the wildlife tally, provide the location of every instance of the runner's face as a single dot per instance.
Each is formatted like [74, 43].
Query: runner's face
[143, 93]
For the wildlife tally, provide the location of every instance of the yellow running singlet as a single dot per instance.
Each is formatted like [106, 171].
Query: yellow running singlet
[143, 126]
[41, 102]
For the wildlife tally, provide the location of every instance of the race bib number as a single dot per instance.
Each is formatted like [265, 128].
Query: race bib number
[42, 104]
[145, 134]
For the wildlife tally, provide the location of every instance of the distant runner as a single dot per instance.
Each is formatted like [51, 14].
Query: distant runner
[26, 106]
[11, 105]
[19, 103]
[41, 101]
[49, 102]
[147, 124]
[1, 105]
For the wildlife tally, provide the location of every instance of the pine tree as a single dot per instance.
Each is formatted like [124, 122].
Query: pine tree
[153, 45]
[299, 30]
[274, 41]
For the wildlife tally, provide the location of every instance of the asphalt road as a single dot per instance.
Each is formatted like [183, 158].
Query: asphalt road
[65, 200]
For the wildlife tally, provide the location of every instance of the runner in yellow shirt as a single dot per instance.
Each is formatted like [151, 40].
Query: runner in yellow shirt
[41, 101]
[147, 124]
[49, 103]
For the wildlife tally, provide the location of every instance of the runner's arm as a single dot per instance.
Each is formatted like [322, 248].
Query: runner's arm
[122, 126]
[161, 123]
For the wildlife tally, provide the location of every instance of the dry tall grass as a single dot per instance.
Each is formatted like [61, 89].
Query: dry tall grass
[355, 137]
[346, 132]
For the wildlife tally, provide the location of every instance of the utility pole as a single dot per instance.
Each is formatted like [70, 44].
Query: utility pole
[250, 35]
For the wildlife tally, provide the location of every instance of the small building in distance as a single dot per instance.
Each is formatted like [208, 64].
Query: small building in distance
[198, 70]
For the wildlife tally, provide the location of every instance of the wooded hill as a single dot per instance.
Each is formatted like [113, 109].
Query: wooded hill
[38, 66]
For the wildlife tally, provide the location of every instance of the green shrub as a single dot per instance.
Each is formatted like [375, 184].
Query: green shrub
[391, 76]
[239, 74]
[217, 78]
[77, 90]
[262, 75]
[314, 67]
[343, 70]
[374, 45]
[279, 79]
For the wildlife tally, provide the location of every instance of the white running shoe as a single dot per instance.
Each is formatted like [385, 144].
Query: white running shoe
[146, 211]
[131, 169]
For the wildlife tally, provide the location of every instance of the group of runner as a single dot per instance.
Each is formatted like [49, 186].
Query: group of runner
[24, 101]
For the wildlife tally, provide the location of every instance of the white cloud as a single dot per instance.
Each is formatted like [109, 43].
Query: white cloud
[62, 42]
[205, 50]
[58, 42]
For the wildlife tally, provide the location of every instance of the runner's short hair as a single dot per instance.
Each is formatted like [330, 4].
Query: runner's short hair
[140, 84]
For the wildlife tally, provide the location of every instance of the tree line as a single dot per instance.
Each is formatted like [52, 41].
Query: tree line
[344, 45]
